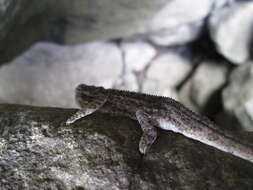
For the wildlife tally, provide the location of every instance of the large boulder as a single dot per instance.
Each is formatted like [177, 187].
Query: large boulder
[38, 151]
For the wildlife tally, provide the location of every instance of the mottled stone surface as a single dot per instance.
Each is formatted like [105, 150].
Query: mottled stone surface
[37, 151]
[47, 74]
[238, 96]
[231, 30]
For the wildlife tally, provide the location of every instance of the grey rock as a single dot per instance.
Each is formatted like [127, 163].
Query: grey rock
[128, 81]
[107, 19]
[47, 74]
[166, 72]
[179, 22]
[71, 22]
[154, 87]
[137, 54]
[207, 80]
[238, 96]
[15, 12]
[222, 3]
[21, 24]
[38, 151]
[231, 30]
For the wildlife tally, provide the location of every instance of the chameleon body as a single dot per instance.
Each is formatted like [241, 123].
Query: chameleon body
[154, 112]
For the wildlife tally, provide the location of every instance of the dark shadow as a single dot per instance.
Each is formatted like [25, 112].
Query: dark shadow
[204, 47]
[251, 44]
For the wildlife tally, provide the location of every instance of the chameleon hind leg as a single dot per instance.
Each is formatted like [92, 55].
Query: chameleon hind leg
[149, 130]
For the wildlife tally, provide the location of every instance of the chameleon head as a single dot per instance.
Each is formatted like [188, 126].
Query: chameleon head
[89, 90]
[87, 93]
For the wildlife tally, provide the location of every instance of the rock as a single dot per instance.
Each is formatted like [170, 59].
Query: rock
[179, 22]
[137, 55]
[15, 34]
[14, 13]
[151, 86]
[47, 74]
[101, 152]
[68, 22]
[231, 30]
[76, 22]
[166, 72]
[238, 96]
[128, 81]
[203, 85]
[223, 3]
[107, 19]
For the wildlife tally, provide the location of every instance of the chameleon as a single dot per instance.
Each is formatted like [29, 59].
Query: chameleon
[153, 112]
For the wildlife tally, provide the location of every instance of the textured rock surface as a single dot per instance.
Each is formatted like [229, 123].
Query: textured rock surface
[231, 30]
[238, 95]
[38, 151]
[202, 87]
[179, 22]
[47, 74]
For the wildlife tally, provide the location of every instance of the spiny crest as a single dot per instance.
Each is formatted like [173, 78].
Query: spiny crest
[137, 94]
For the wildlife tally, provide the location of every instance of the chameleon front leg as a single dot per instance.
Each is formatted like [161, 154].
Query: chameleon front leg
[80, 114]
[87, 107]
[149, 130]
